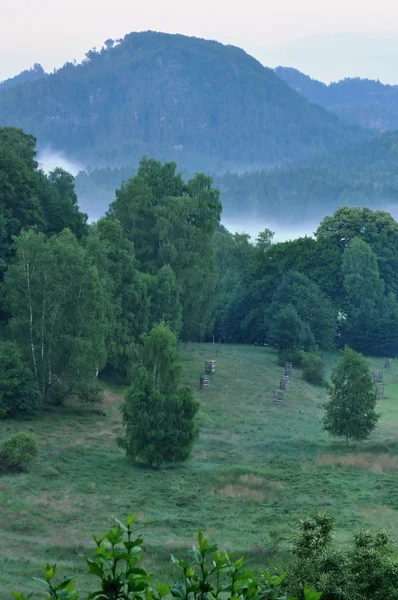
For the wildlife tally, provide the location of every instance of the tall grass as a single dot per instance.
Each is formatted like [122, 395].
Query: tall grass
[256, 469]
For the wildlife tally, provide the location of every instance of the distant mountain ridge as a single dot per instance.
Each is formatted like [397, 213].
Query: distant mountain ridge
[206, 105]
[32, 74]
[364, 102]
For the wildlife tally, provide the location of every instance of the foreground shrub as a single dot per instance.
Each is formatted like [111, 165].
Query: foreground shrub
[366, 569]
[312, 366]
[18, 451]
[209, 574]
[18, 389]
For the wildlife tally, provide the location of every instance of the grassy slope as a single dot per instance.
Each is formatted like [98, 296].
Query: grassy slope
[256, 469]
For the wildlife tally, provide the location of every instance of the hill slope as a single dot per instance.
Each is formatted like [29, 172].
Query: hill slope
[272, 464]
[198, 101]
[36, 72]
[364, 102]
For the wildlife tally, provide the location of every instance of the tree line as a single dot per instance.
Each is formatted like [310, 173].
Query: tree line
[118, 294]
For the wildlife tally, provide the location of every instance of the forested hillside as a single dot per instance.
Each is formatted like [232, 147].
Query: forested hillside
[206, 105]
[36, 72]
[89, 306]
[365, 102]
[360, 175]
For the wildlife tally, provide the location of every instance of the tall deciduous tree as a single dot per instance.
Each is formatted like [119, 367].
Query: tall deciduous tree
[159, 414]
[129, 306]
[172, 223]
[370, 317]
[376, 228]
[311, 305]
[56, 299]
[351, 411]
[288, 331]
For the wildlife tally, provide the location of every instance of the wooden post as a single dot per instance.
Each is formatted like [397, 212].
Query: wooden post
[380, 390]
[288, 368]
[284, 383]
[204, 381]
[378, 376]
[210, 367]
[387, 363]
[278, 397]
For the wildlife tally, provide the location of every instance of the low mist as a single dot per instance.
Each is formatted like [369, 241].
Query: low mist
[283, 231]
[49, 159]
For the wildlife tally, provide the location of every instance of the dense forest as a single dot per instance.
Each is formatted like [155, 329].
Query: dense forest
[364, 102]
[160, 255]
[360, 175]
[206, 105]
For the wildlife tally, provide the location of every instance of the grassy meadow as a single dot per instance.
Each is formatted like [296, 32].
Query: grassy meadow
[256, 469]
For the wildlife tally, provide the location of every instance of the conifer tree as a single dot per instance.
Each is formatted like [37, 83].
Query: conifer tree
[159, 414]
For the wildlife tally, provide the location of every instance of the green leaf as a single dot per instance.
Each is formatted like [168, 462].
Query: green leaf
[94, 568]
[130, 520]
[50, 572]
[310, 594]
[163, 589]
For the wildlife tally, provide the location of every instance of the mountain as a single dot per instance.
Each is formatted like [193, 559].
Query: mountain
[334, 56]
[365, 102]
[365, 174]
[36, 72]
[207, 105]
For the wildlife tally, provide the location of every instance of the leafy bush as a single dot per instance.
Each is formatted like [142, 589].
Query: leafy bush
[295, 356]
[366, 569]
[312, 367]
[18, 389]
[210, 574]
[18, 451]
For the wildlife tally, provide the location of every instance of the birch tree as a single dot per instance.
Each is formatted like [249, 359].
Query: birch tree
[57, 303]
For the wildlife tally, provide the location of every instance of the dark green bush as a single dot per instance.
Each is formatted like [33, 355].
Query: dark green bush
[313, 368]
[18, 451]
[18, 388]
[294, 355]
[364, 569]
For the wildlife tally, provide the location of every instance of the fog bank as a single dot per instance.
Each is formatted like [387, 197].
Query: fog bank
[49, 159]
[283, 231]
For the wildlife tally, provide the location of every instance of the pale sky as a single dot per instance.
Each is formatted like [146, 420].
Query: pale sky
[306, 34]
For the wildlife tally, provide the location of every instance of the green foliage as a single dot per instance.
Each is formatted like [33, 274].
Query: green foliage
[29, 198]
[18, 451]
[314, 310]
[313, 368]
[58, 303]
[209, 573]
[377, 228]
[172, 223]
[127, 292]
[350, 412]
[159, 415]
[288, 331]
[370, 320]
[206, 131]
[18, 389]
[365, 569]
[293, 355]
